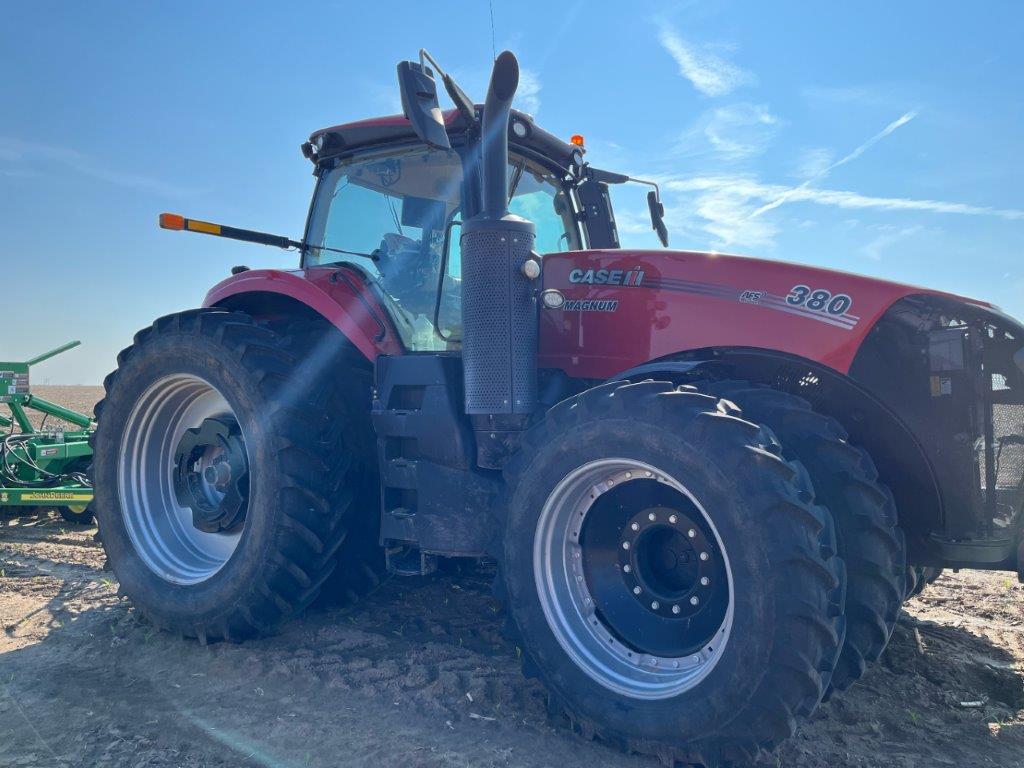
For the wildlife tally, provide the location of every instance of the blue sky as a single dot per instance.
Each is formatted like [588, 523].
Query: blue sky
[876, 137]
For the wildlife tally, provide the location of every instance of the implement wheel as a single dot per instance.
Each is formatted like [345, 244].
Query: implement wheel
[224, 474]
[82, 515]
[669, 575]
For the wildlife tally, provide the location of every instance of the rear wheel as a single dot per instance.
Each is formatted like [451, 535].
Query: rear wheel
[846, 481]
[224, 475]
[670, 578]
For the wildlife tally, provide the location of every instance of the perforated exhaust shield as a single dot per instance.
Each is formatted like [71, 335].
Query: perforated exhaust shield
[499, 316]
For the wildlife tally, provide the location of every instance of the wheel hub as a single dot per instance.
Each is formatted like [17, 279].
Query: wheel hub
[211, 475]
[650, 566]
[667, 563]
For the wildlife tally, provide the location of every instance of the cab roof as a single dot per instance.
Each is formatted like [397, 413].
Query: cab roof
[339, 139]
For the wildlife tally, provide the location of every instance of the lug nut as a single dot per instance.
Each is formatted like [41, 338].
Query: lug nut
[694, 600]
[636, 590]
[672, 519]
[703, 555]
[648, 474]
[625, 545]
[652, 517]
[655, 605]
[704, 581]
[691, 533]
[635, 526]
[627, 568]
[676, 609]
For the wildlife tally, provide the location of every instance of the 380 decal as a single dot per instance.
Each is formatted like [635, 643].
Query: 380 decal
[819, 300]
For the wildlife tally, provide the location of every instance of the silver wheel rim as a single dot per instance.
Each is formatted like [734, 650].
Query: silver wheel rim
[159, 526]
[569, 607]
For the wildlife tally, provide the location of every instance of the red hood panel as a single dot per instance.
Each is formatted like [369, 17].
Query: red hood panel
[625, 308]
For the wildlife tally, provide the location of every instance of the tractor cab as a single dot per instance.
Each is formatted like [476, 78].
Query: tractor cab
[392, 207]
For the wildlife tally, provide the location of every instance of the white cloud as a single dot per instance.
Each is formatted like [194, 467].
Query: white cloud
[889, 236]
[756, 190]
[16, 150]
[813, 162]
[709, 73]
[528, 95]
[723, 207]
[741, 130]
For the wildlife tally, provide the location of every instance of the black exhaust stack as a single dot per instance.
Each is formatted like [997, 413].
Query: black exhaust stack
[499, 302]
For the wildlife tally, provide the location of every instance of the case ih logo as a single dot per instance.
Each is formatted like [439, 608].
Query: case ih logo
[630, 277]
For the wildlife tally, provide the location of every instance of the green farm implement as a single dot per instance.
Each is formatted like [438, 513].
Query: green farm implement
[42, 466]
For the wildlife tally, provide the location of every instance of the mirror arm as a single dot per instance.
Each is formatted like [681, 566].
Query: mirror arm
[462, 102]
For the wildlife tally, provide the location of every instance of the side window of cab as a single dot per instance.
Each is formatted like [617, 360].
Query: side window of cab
[389, 215]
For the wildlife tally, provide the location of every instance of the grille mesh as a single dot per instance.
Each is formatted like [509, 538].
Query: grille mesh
[499, 320]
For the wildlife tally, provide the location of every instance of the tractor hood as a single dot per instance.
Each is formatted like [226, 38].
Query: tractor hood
[624, 308]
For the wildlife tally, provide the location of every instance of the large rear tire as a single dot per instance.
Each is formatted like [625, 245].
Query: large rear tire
[224, 475]
[846, 481]
[719, 623]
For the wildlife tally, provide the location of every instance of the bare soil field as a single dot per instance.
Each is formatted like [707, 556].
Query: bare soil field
[420, 675]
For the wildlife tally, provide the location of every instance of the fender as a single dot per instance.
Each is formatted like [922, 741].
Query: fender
[341, 295]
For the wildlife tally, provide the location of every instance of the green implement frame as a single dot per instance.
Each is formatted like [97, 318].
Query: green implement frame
[41, 467]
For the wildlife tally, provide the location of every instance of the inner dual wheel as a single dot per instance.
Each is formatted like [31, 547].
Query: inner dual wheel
[669, 574]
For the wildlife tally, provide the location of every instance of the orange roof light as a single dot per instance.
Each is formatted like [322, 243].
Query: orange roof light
[172, 221]
[576, 140]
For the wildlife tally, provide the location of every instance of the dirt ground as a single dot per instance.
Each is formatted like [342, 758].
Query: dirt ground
[419, 675]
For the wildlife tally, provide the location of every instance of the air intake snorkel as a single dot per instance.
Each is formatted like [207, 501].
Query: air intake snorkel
[499, 304]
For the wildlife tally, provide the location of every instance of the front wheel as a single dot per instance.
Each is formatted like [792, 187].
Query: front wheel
[670, 576]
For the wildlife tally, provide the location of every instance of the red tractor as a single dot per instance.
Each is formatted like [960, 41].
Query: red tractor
[709, 482]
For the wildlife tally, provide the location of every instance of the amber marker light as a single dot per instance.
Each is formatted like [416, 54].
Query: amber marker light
[576, 140]
[172, 221]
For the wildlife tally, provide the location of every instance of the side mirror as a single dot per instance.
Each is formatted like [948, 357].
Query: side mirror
[657, 216]
[419, 103]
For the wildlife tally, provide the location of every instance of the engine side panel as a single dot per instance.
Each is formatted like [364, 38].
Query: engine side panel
[953, 372]
[624, 308]
[339, 294]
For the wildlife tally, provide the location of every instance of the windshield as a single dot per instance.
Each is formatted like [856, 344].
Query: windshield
[396, 216]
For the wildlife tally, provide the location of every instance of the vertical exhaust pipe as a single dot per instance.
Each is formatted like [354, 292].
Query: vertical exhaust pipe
[494, 134]
[499, 304]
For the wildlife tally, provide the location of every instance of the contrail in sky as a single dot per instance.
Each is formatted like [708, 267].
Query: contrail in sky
[900, 121]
